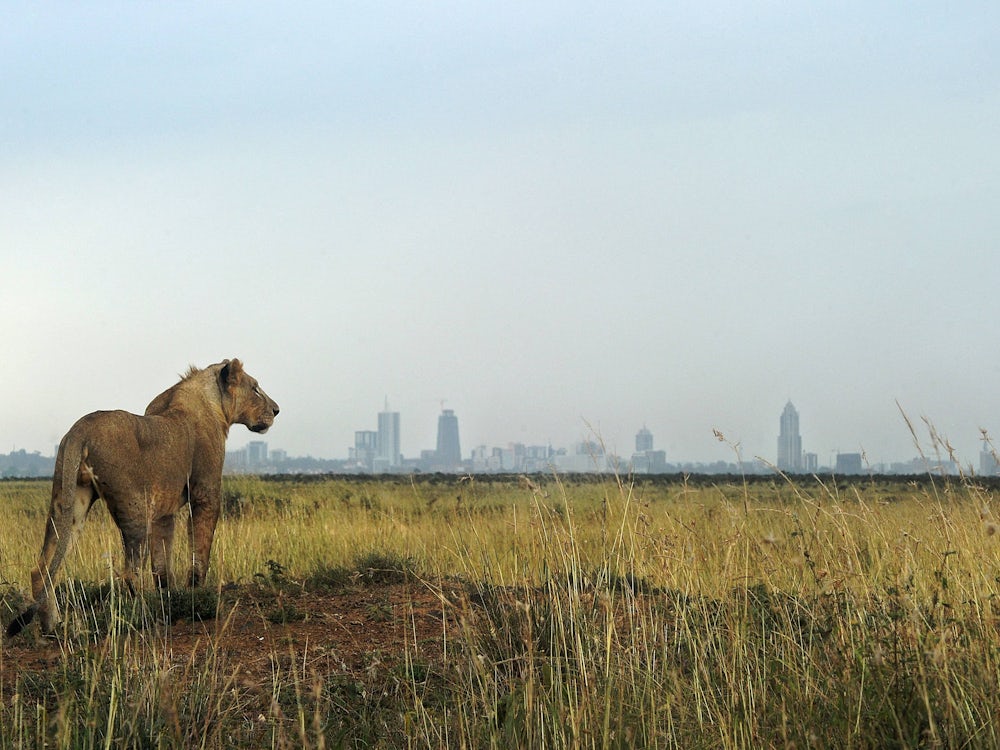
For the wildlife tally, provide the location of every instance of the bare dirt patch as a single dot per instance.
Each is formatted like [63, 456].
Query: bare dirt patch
[257, 632]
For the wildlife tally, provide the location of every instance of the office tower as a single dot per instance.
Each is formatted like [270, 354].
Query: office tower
[849, 463]
[643, 440]
[645, 460]
[449, 451]
[256, 453]
[365, 448]
[388, 438]
[789, 440]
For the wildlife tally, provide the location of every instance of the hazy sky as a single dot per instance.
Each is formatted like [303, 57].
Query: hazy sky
[547, 214]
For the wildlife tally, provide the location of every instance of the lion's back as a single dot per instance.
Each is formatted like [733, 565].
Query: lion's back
[122, 448]
[100, 427]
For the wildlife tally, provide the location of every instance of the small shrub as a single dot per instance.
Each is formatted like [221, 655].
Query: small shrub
[329, 578]
[384, 567]
[285, 613]
[195, 605]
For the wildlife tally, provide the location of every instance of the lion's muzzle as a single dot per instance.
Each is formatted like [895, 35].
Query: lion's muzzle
[266, 419]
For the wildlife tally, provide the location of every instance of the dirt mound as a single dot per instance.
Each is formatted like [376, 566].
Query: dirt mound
[350, 633]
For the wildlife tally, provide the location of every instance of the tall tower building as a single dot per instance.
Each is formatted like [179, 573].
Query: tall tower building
[645, 460]
[256, 453]
[988, 464]
[365, 448]
[643, 440]
[789, 440]
[388, 438]
[449, 450]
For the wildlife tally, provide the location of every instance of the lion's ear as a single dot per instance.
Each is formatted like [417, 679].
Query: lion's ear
[231, 371]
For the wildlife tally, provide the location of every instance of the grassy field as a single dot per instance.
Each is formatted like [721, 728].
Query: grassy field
[535, 613]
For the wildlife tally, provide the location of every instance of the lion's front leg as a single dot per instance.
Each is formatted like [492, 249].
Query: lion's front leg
[201, 531]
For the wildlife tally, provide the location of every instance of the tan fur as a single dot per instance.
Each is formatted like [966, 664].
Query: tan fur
[146, 468]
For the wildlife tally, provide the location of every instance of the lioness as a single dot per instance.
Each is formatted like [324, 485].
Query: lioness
[146, 468]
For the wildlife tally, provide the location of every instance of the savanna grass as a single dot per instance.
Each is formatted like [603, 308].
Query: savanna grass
[613, 613]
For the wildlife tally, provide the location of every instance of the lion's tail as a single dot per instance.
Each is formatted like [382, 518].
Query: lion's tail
[72, 453]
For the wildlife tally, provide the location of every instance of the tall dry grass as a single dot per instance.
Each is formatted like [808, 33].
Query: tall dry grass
[613, 613]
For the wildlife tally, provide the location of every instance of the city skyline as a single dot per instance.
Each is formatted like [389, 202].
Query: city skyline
[591, 454]
[380, 450]
[367, 456]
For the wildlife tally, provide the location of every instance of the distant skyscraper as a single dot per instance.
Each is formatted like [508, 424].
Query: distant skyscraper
[365, 448]
[256, 453]
[643, 440]
[849, 463]
[988, 464]
[449, 451]
[645, 460]
[789, 440]
[388, 438]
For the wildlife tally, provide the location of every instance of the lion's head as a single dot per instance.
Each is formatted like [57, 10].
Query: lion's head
[244, 400]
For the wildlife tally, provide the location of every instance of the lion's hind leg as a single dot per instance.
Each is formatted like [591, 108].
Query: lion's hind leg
[161, 541]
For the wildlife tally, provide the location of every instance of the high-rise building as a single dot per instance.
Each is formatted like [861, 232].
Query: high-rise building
[388, 439]
[365, 448]
[789, 440]
[645, 460]
[849, 463]
[256, 453]
[643, 440]
[449, 450]
[989, 466]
